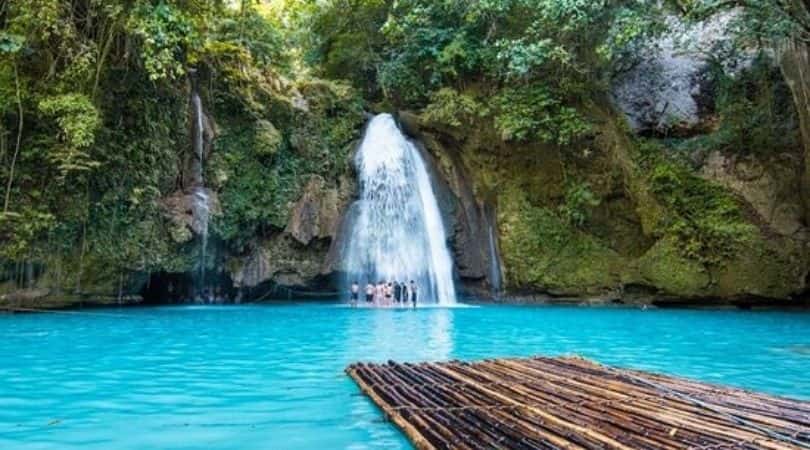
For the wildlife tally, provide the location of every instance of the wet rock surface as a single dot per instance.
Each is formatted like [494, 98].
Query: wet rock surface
[179, 209]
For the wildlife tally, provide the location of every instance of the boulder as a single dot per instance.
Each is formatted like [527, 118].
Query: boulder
[668, 89]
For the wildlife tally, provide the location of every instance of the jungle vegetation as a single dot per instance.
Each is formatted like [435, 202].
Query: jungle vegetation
[94, 108]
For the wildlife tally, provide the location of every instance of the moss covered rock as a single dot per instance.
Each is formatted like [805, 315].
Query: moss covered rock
[666, 269]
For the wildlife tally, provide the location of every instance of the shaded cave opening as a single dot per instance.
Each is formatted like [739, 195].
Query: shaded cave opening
[169, 288]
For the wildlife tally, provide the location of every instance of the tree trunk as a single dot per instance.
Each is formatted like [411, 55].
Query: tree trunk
[795, 65]
[19, 139]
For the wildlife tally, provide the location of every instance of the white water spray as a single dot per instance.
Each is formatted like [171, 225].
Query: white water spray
[397, 232]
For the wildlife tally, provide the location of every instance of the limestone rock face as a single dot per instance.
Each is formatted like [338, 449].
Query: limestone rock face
[668, 90]
[769, 186]
[464, 215]
[795, 65]
[315, 215]
[280, 259]
[307, 249]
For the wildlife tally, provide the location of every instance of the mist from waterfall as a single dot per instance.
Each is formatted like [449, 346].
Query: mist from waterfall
[397, 232]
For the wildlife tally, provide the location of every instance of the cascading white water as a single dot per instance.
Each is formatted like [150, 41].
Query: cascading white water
[200, 203]
[397, 232]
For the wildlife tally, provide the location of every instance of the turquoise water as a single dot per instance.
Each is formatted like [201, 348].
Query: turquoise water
[262, 377]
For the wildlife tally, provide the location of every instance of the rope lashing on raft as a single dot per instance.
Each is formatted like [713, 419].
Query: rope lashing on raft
[734, 418]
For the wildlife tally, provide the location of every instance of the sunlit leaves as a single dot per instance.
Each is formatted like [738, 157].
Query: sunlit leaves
[166, 33]
[77, 120]
[522, 57]
[449, 107]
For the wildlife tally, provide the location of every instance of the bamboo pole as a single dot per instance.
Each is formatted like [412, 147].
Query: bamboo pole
[571, 403]
[418, 440]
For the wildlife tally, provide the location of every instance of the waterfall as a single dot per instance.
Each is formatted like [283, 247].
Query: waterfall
[396, 229]
[201, 208]
[494, 267]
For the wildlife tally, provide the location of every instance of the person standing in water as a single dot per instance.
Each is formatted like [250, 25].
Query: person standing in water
[412, 290]
[389, 293]
[354, 293]
[405, 295]
[397, 292]
[369, 292]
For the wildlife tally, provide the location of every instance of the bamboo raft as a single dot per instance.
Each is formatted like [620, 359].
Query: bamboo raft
[572, 403]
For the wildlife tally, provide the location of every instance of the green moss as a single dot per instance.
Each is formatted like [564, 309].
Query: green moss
[268, 138]
[540, 249]
[765, 268]
[259, 167]
[255, 190]
[664, 267]
[703, 217]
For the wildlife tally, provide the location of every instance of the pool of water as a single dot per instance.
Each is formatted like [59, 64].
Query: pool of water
[259, 377]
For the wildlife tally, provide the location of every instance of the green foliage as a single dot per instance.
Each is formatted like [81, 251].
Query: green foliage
[534, 113]
[262, 169]
[759, 20]
[255, 190]
[11, 43]
[342, 39]
[579, 199]
[632, 25]
[704, 218]
[448, 106]
[540, 249]
[105, 134]
[255, 33]
[268, 138]
[20, 231]
[77, 120]
[167, 34]
[756, 110]
[536, 61]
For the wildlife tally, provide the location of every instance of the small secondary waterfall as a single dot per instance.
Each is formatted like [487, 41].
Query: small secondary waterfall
[495, 276]
[494, 268]
[397, 232]
[201, 209]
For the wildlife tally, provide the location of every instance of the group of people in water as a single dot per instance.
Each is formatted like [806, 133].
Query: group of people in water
[392, 293]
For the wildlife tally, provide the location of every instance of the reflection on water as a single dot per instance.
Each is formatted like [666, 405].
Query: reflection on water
[405, 332]
[258, 377]
[441, 330]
